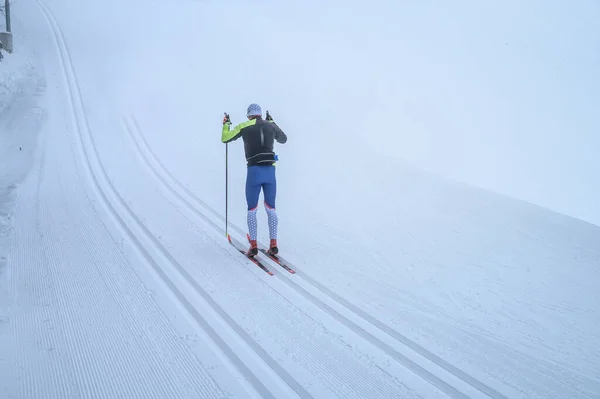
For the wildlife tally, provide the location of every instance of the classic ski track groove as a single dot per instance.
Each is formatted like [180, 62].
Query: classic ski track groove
[79, 364]
[188, 373]
[131, 124]
[318, 366]
[99, 174]
[422, 372]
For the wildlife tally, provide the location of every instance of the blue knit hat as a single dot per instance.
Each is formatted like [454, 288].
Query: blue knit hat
[254, 110]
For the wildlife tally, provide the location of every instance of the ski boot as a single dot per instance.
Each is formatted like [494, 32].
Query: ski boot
[273, 250]
[253, 250]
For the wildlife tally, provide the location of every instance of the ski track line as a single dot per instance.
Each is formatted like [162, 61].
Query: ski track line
[99, 174]
[138, 308]
[452, 392]
[132, 126]
[436, 360]
[190, 377]
[355, 312]
[318, 366]
[203, 382]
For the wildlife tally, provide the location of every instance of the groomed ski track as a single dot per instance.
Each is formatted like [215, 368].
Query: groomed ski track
[342, 372]
[349, 349]
[449, 379]
[265, 376]
[134, 229]
[118, 279]
[82, 323]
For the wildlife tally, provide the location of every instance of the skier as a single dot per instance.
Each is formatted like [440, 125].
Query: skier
[259, 137]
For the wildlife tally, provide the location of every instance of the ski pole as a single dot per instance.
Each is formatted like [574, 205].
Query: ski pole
[226, 120]
[226, 187]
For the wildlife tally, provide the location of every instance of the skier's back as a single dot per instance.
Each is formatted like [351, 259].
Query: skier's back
[259, 138]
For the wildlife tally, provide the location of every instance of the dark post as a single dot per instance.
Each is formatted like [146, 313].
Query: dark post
[7, 9]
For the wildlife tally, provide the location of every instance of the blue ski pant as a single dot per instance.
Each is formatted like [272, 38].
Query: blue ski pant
[261, 177]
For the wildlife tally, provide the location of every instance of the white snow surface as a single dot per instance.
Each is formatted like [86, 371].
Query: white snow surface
[116, 280]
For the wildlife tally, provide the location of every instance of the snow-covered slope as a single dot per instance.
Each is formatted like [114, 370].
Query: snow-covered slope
[118, 281]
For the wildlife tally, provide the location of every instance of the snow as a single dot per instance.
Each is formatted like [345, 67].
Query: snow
[19, 84]
[116, 279]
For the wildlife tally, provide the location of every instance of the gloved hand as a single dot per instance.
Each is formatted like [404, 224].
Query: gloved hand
[226, 118]
[269, 117]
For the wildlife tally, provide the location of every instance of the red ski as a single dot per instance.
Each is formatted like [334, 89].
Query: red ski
[237, 245]
[277, 260]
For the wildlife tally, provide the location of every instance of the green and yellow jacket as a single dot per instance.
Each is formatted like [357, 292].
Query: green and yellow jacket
[259, 137]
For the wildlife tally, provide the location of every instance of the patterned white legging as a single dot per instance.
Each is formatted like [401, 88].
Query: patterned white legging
[253, 224]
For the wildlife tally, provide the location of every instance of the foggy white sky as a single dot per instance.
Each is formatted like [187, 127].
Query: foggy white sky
[502, 95]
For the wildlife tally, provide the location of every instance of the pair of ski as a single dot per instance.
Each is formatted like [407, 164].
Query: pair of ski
[277, 259]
